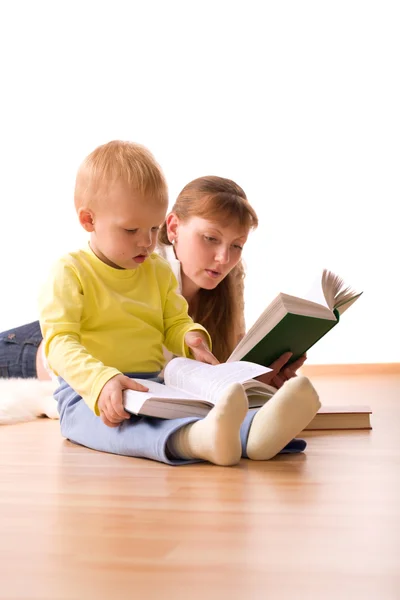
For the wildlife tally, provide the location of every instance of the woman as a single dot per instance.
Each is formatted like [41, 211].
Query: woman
[202, 238]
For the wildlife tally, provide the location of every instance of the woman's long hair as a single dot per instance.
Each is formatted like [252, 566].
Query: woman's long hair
[220, 310]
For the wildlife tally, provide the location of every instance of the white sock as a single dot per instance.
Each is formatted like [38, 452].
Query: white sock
[287, 413]
[216, 438]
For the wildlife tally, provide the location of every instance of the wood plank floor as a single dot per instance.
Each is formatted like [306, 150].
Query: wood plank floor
[77, 524]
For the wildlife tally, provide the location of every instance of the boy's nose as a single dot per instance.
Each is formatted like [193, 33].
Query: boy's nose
[145, 240]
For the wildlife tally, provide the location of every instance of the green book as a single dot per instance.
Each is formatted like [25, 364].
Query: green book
[292, 324]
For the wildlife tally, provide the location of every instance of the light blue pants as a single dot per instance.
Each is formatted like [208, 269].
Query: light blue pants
[141, 437]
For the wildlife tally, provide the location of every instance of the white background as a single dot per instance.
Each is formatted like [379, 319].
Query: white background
[297, 101]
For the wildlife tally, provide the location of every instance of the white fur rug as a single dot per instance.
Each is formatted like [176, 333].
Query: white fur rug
[25, 400]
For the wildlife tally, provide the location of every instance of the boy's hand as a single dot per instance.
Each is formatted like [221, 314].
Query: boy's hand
[198, 345]
[110, 402]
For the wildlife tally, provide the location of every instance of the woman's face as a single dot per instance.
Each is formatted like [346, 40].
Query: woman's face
[208, 250]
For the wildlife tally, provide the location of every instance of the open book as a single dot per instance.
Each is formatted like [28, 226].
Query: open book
[192, 388]
[206, 384]
[291, 324]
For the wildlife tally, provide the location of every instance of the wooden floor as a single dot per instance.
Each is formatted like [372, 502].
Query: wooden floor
[76, 524]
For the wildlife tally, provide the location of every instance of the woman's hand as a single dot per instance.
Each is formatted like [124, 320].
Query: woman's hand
[281, 373]
[198, 345]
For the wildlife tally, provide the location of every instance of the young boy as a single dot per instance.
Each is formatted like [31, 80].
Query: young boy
[108, 309]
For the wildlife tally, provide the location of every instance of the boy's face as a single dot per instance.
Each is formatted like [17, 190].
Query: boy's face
[125, 227]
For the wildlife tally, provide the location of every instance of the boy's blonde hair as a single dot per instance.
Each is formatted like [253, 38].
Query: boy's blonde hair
[122, 162]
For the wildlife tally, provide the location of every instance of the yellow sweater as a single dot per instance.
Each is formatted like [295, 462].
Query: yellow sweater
[98, 321]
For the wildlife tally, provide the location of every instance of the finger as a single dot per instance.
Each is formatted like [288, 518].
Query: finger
[278, 381]
[288, 373]
[131, 384]
[210, 358]
[115, 420]
[295, 365]
[117, 406]
[105, 407]
[109, 414]
[204, 355]
[194, 342]
[201, 351]
[104, 411]
[280, 362]
[106, 421]
[266, 378]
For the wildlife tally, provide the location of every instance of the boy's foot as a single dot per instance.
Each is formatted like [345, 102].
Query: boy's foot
[287, 413]
[216, 438]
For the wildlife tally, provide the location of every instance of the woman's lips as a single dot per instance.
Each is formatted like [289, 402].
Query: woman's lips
[213, 274]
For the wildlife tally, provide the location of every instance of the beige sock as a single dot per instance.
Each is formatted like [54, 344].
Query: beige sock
[287, 413]
[216, 438]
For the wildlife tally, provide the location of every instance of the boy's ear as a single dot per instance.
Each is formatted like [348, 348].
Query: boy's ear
[86, 219]
[172, 222]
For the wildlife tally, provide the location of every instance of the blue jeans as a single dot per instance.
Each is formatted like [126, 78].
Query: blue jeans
[18, 351]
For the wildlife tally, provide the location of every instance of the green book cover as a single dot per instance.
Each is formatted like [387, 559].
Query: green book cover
[294, 333]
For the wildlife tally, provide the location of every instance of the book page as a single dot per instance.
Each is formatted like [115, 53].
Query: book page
[341, 308]
[159, 390]
[208, 381]
[134, 400]
[316, 294]
[330, 290]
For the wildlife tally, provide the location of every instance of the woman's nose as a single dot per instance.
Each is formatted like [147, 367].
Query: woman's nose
[223, 256]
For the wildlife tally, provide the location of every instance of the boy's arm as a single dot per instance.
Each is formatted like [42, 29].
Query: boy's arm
[177, 322]
[60, 309]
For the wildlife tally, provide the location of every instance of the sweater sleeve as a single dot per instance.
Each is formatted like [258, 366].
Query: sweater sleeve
[60, 308]
[177, 321]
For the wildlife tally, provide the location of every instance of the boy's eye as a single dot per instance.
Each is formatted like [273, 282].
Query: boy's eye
[155, 228]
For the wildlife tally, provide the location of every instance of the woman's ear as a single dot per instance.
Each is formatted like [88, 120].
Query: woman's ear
[172, 223]
[86, 219]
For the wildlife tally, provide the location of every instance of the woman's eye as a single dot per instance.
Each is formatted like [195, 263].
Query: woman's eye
[155, 228]
[209, 238]
[238, 247]
[131, 230]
